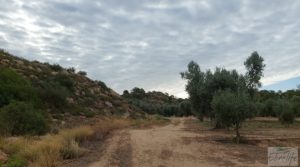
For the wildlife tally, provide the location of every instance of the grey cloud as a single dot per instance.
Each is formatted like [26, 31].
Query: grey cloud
[147, 43]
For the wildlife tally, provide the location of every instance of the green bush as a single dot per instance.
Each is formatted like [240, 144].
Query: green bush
[14, 87]
[20, 118]
[296, 105]
[282, 105]
[89, 114]
[103, 85]
[268, 109]
[65, 81]
[56, 67]
[16, 161]
[53, 95]
[287, 117]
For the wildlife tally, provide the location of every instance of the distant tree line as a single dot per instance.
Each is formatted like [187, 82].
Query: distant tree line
[155, 102]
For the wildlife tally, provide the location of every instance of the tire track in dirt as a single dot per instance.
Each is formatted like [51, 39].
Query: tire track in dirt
[118, 152]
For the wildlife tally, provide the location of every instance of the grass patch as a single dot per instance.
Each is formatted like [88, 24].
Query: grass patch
[49, 150]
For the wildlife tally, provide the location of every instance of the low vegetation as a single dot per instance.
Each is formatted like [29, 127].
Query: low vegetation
[52, 149]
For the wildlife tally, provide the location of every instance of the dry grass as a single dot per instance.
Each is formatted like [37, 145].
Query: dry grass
[104, 127]
[51, 150]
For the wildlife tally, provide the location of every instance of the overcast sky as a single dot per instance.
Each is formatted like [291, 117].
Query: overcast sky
[128, 43]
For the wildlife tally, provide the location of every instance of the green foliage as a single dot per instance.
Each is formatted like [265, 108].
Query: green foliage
[89, 114]
[138, 93]
[282, 105]
[296, 104]
[19, 118]
[202, 86]
[56, 67]
[14, 87]
[268, 109]
[255, 66]
[195, 87]
[71, 70]
[158, 103]
[103, 85]
[16, 161]
[79, 110]
[287, 117]
[53, 95]
[65, 81]
[231, 109]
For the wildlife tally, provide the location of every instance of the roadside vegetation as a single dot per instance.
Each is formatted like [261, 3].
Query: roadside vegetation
[52, 149]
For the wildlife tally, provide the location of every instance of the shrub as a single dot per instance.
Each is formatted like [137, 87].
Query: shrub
[89, 114]
[268, 109]
[282, 105]
[65, 81]
[296, 104]
[71, 70]
[16, 161]
[19, 118]
[287, 117]
[53, 95]
[83, 73]
[56, 67]
[14, 87]
[103, 85]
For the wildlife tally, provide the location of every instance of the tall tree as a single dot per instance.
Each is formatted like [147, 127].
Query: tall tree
[255, 66]
[195, 87]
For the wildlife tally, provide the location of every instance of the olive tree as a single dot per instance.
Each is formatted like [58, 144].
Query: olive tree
[231, 109]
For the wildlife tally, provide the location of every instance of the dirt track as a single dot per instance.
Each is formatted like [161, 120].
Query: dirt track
[175, 145]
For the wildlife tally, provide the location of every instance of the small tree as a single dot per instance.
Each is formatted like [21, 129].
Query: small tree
[231, 109]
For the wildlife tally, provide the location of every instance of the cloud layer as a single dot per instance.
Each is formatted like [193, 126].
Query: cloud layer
[147, 43]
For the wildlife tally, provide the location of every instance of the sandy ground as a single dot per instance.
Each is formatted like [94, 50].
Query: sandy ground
[178, 145]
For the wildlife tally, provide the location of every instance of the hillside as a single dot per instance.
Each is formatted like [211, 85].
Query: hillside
[67, 97]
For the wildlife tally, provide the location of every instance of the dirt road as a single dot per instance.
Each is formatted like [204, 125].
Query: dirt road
[175, 145]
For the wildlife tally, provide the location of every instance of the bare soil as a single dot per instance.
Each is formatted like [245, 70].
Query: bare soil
[187, 143]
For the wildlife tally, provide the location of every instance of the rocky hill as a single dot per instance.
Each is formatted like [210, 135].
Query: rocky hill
[68, 95]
